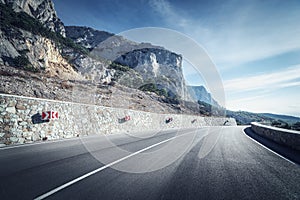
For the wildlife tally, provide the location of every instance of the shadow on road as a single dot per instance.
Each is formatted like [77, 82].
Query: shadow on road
[285, 151]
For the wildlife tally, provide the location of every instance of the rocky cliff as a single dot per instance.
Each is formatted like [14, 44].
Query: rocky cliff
[152, 65]
[157, 66]
[87, 37]
[102, 68]
[27, 45]
[43, 10]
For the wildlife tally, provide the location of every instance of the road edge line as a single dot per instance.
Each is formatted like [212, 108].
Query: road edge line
[281, 156]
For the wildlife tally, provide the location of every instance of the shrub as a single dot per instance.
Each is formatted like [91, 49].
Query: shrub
[170, 98]
[151, 87]
[119, 67]
[280, 124]
[23, 63]
[296, 126]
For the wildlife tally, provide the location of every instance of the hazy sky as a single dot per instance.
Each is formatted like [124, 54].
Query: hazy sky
[254, 44]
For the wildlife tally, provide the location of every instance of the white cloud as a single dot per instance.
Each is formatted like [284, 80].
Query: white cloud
[249, 32]
[291, 84]
[241, 33]
[279, 79]
[169, 14]
[163, 7]
[275, 92]
[268, 103]
[231, 50]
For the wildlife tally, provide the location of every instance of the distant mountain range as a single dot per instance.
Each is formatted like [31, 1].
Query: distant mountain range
[286, 118]
[245, 118]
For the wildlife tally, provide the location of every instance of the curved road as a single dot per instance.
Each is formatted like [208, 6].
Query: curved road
[212, 163]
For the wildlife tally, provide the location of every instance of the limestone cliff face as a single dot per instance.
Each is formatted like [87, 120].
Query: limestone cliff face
[148, 64]
[157, 66]
[43, 10]
[42, 53]
[93, 69]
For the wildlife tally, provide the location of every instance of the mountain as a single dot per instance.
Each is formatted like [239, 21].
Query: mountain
[28, 45]
[199, 93]
[156, 66]
[39, 57]
[245, 118]
[285, 118]
[87, 37]
[42, 10]
[139, 65]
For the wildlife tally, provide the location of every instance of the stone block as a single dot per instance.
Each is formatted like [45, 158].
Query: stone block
[21, 140]
[11, 110]
[22, 123]
[20, 107]
[12, 104]
[14, 139]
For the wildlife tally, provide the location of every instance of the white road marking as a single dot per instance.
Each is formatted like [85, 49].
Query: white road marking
[271, 150]
[102, 168]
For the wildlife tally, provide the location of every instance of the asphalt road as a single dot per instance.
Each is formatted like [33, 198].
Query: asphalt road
[206, 163]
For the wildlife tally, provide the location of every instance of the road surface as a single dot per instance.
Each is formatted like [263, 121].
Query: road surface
[219, 163]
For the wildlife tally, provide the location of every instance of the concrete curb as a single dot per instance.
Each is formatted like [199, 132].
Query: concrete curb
[285, 137]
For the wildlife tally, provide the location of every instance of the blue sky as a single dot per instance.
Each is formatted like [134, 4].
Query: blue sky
[254, 44]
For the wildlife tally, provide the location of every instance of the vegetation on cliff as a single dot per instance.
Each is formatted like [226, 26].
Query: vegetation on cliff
[9, 18]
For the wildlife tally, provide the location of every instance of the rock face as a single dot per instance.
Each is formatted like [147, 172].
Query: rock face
[23, 47]
[43, 10]
[87, 37]
[103, 44]
[157, 66]
[93, 69]
[199, 93]
[151, 64]
[38, 53]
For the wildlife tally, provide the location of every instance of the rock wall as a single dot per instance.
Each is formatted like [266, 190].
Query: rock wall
[21, 122]
[285, 137]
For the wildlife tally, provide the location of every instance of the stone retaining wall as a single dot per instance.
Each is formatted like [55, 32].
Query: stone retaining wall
[20, 120]
[285, 137]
